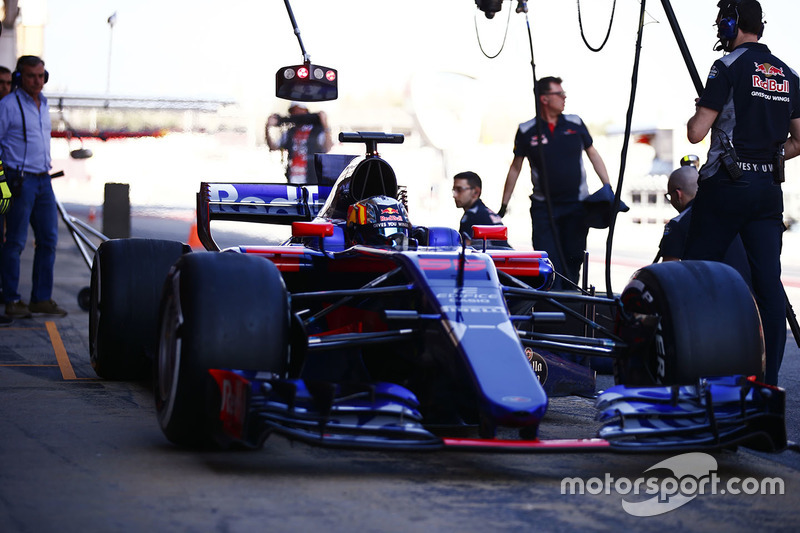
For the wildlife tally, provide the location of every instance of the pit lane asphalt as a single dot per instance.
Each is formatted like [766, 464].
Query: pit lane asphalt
[82, 454]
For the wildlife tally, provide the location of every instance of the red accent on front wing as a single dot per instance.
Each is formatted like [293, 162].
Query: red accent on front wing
[555, 445]
[754, 380]
[233, 390]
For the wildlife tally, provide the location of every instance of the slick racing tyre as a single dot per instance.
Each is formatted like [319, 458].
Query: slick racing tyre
[687, 320]
[219, 310]
[127, 278]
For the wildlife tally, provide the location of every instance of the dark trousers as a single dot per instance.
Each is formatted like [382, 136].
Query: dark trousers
[34, 205]
[570, 222]
[753, 208]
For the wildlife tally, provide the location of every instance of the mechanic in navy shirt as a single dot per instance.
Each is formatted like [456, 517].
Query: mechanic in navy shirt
[751, 104]
[467, 187]
[563, 140]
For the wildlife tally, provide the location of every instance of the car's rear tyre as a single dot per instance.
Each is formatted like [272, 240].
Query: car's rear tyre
[126, 281]
[219, 310]
[705, 324]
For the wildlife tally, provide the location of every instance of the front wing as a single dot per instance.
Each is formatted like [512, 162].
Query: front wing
[714, 414]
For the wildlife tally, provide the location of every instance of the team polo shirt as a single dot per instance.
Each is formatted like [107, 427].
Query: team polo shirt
[480, 215]
[673, 242]
[676, 231]
[563, 154]
[756, 95]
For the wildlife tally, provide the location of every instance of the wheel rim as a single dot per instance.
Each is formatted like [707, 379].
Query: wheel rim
[169, 354]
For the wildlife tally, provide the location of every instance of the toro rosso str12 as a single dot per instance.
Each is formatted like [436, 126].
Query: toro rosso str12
[364, 330]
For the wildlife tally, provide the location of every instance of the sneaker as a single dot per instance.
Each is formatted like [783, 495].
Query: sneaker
[47, 307]
[5, 321]
[18, 309]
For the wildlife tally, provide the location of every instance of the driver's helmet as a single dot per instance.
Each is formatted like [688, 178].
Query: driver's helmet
[378, 221]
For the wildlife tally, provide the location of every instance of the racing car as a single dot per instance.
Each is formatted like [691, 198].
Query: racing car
[365, 330]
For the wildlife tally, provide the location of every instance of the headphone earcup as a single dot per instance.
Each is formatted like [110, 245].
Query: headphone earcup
[728, 28]
[16, 78]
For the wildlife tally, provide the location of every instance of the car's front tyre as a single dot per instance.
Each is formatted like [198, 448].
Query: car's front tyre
[219, 310]
[687, 320]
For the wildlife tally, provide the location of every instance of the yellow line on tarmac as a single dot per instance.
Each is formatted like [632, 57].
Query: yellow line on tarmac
[61, 353]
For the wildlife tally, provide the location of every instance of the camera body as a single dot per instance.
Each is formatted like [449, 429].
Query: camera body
[300, 120]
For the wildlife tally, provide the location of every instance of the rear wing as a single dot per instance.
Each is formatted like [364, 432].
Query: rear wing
[265, 203]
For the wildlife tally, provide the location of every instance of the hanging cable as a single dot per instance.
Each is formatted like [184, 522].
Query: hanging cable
[505, 34]
[624, 154]
[544, 181]
[608, 33]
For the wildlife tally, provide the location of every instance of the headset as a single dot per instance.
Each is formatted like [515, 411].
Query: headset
[728, 25]
[31, 61]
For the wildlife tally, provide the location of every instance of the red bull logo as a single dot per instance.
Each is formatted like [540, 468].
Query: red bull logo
[769, 70]
[389, 211]
[770, 85]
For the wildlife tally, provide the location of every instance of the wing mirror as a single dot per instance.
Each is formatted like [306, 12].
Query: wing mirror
[312, 229]
[490, 232]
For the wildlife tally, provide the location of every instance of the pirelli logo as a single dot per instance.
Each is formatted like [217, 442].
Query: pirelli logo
[770, 85]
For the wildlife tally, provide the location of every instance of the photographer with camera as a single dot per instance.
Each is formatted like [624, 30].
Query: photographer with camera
[306, 134]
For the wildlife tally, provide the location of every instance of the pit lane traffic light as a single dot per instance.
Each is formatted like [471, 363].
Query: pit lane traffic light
[307, 83]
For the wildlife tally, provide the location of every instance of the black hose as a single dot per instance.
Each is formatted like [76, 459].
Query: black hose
[624, 154]
[608, 32]
[544, 178]
[502, 45]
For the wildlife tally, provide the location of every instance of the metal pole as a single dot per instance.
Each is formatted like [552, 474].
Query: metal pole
[687, 56]
[111, 20]
[306, 57]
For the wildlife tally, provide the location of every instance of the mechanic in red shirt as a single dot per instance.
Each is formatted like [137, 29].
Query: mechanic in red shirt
[751, 105]
[564, 138]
